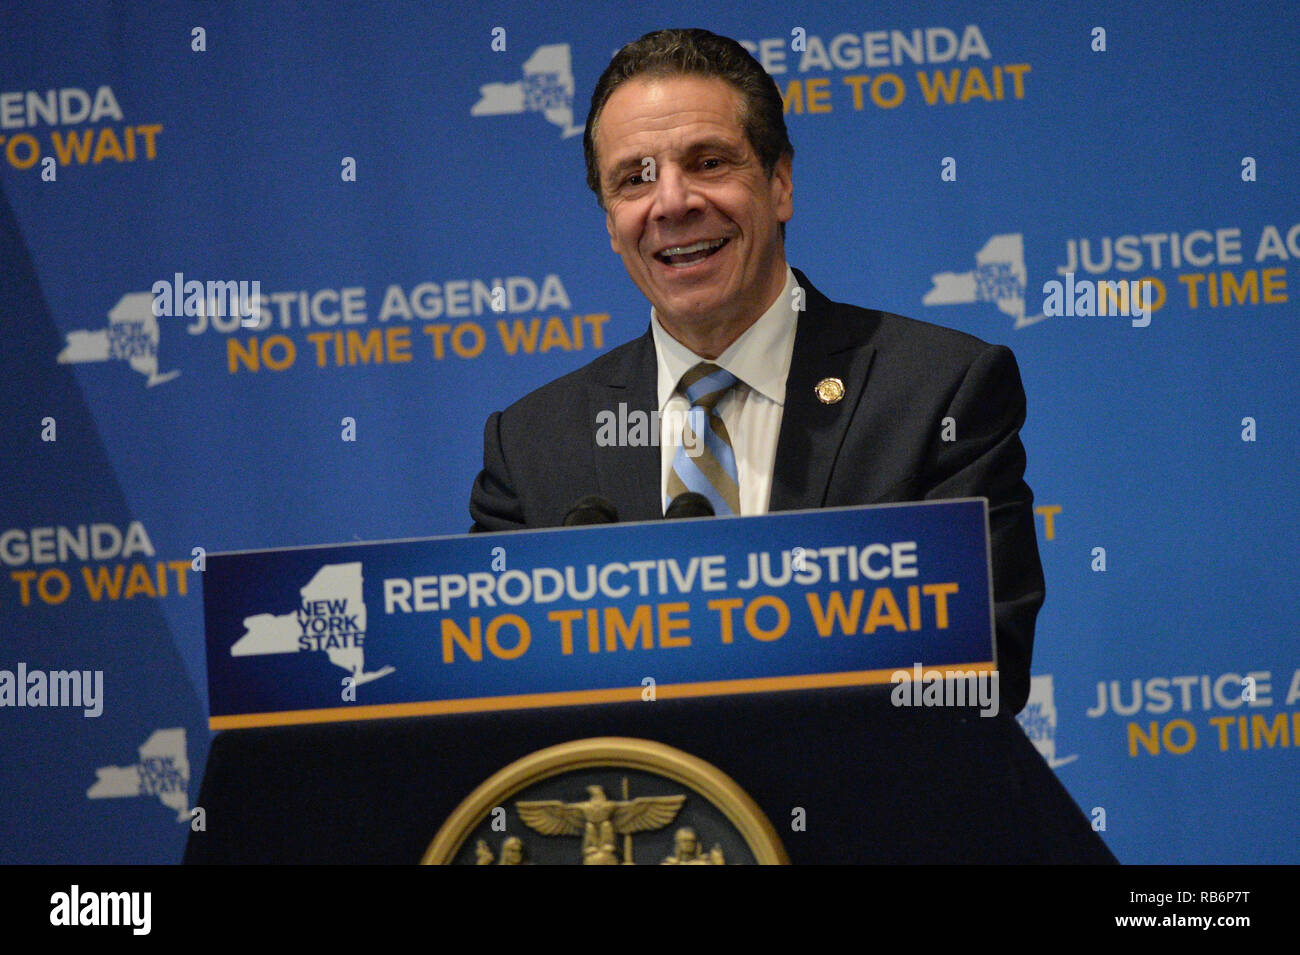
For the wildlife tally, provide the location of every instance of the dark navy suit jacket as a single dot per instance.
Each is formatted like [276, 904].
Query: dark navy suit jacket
[882, 443]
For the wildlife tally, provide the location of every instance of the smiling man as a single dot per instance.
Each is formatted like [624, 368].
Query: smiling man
[771, 396]
[699, 225]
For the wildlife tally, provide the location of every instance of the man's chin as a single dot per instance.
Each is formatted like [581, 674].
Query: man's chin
[693, 299]
[685, 313]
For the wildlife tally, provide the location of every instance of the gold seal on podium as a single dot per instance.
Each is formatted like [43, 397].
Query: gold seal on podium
[607, 801]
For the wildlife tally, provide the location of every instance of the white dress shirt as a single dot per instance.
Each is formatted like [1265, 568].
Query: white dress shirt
[760, 360]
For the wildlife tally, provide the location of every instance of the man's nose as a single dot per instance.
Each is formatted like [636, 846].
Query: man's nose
[675, 193]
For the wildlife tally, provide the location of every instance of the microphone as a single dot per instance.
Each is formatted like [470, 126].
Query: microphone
[689, 504]
[592, 509]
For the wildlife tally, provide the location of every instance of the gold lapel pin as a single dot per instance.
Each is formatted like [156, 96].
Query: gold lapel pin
[829, 390]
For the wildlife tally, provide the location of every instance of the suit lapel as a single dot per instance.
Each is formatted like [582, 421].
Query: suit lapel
[828, 344]
[629, 475]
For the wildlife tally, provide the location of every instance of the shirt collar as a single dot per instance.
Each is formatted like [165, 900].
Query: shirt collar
[760, 357]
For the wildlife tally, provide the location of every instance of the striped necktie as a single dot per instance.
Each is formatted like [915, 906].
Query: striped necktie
[704, 461]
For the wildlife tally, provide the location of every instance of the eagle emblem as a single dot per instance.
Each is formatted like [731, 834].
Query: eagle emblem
[600, 820]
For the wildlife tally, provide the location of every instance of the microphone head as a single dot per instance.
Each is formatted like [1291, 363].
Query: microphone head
[592, 509]
[689, 504]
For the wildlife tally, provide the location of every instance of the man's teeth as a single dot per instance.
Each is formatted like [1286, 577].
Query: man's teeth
[682, 251]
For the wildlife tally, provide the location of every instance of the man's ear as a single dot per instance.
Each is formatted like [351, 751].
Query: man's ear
[609, 227]
[783, 188]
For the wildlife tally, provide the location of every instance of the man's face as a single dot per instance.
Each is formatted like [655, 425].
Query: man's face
[708, 187]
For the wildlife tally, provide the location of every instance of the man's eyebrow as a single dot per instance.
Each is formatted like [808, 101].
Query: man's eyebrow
[715, 144]
[628, 162]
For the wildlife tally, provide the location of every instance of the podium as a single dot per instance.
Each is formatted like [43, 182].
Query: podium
[438, 701]
[877, 783]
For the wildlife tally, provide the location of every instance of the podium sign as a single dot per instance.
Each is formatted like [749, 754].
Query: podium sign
[653, 610]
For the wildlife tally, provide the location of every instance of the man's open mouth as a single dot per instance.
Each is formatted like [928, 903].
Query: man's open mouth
[683, 255]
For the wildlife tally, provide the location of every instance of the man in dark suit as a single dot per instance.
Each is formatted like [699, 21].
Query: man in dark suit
[810, 403]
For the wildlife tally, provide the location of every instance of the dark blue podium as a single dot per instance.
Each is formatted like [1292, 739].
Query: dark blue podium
[877, 783]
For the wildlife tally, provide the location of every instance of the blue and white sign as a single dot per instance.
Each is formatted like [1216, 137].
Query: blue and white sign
[589, 614]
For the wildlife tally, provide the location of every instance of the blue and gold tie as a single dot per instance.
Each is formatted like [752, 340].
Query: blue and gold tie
[705, 462]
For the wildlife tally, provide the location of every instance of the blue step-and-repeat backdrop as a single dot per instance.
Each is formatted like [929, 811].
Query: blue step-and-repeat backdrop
[380, 169]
